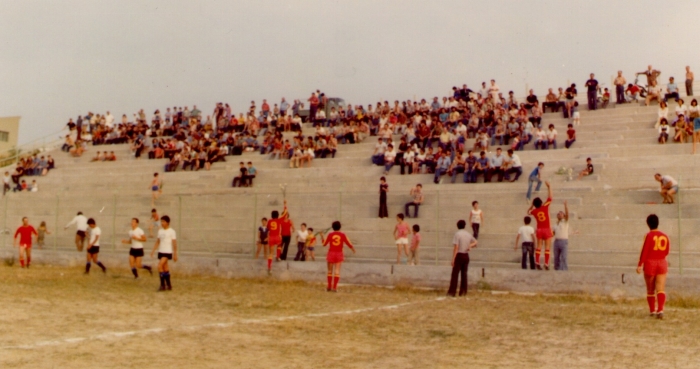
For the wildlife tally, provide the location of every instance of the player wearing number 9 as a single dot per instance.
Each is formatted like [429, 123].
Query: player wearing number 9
[652, 261]
[335, 257]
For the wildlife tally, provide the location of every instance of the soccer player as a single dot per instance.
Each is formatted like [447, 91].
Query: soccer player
[136, 239]
[335, 257]
[274, 241]
[653, 262]
[540, 211]
[94, 246]
[166, 244]
[81, 225]
[25, 232]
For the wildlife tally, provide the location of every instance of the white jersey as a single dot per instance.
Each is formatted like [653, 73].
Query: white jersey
[94, 234]
[476, 216]
[302, 235]
[80, 222]
[166, 238]
[138, 233]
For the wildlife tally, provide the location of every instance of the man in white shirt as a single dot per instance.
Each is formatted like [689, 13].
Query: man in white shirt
[389, 159]
[463, 241]
[81, 224]
[136, 239]
[514, 165]
[561, 239]
[166, 244]
[109, 120]
[302, 235]
[93, 246]
[669, 187]
[378, 156]
[552, 137]
[526, 240]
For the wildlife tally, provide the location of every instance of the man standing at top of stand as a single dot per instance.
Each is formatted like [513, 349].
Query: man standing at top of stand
[592, 85]
[620, 83]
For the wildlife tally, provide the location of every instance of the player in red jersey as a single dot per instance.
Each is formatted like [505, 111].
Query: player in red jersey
[544, 234]
[335, 257]
[653, 262]
[25, 232]
[274, 227]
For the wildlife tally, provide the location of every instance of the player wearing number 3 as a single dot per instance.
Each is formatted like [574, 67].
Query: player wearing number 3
[653, 262]
[335, 257]
[544, 233]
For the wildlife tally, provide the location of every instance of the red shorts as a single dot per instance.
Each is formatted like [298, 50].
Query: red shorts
[544, 233]
[274, 241]
[656, 267]
[335, 257]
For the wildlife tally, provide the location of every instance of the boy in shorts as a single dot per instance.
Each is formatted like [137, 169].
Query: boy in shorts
[415, 244]
[94, 246]
[653, 262]
[401, 236]
[136, 239]
[311, 245]
[544, 234]
[262, 239]
[588, 171]
[166, 244]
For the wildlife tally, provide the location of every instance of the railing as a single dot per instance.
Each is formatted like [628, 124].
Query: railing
[46, 143]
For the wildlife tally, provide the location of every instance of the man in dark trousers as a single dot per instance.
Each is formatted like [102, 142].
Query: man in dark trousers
[287, 229]
[592, 85]
[463, 241]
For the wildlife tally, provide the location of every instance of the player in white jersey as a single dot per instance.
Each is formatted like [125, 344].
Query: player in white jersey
[166, 244]
[94, 246]
[136, 239]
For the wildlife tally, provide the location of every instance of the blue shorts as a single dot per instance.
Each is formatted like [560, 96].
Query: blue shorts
[696, 124]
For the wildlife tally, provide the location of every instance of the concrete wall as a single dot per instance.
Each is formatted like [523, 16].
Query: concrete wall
[611, 284]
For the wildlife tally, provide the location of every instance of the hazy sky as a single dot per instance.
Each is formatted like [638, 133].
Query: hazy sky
[61, 58]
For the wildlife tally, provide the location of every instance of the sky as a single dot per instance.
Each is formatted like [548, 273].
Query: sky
[62, 58]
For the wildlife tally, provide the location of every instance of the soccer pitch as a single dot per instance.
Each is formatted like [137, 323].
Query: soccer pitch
[56, 317]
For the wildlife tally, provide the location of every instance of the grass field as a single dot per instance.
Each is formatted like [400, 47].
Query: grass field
[58, 318]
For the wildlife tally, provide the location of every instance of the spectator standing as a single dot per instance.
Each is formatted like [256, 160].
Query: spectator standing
[417, 194]
[401, 231]
[651, 75]
[415, 244]
[689, 78]
[383, 189]
[287, 230]
[476, 217]
[463, 241]
[526, 239]
[6, 183]
[620, 83]
[302, 237]
[592, 85]
[561, 239]
[313, 106]
[535, 176]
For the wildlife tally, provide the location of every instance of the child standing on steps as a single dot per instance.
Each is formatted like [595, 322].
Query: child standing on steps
[475, 218]
[401, 236]
[576, 115]
[415, 244]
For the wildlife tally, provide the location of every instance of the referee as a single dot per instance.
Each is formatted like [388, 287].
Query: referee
[463, 241]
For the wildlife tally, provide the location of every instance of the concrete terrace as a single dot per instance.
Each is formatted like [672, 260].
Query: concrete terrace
[607, 209]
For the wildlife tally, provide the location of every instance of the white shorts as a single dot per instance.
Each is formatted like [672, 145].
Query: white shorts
[577, 115]
[402, 241]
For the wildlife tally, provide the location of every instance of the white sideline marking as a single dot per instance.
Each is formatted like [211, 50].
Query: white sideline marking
[108, 335]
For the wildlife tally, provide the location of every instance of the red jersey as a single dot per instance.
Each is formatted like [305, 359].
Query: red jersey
[541, 215]
[25, 235]
[286, 225]
[656, 247]
[336, 240]
[275, 227]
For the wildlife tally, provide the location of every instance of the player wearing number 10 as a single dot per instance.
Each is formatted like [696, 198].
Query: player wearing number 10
[335, 257]
[653, 262]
